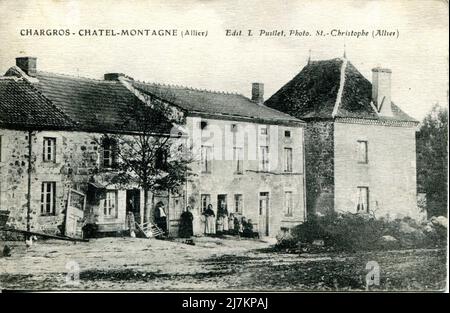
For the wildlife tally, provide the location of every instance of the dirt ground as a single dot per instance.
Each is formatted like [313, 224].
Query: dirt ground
[211, 264]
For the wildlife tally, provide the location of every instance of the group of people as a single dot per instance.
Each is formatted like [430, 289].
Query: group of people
[211, 225]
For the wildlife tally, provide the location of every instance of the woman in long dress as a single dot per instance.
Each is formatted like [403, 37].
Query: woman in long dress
[219, 228]
[222, 218]
[210, 225]
[231, 226]
[196, 222]
[186, 224]
[226, 226]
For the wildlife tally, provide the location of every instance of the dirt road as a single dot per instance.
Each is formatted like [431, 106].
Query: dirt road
[211, 264]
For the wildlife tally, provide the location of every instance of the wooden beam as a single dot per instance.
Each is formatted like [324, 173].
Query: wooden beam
[43, 235]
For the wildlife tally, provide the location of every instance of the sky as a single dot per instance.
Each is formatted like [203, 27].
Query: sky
[418, 57]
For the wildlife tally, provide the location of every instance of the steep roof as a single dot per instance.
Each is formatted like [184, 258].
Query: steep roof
[213, 103]
[23, 106]
[330, 89]
[104, 105]
[94, 104]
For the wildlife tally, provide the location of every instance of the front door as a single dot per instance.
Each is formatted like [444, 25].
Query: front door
[263, 214]
[134, 203]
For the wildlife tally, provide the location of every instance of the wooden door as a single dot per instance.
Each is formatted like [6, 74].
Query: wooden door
[76, 202]
[263, 224]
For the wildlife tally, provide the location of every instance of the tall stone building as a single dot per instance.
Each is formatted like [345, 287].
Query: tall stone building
[360, 146]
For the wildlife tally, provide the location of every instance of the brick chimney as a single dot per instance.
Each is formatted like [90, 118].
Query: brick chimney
[27, 64]
[381, 90]
[258, 92]
[115, 76]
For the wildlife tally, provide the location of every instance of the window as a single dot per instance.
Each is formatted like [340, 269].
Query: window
[239, 160]
[109, 152]
[362, 152]
[205, 200]
[110, 204]
[238, 204]
[48, 192]
[263, 130]
[234, 128]
[264, 158]
[287, 133]
[161, 159]
[363, 200]
[288, 205]
[206, 156]
[288, 160]
[49, 151]
[0, 148]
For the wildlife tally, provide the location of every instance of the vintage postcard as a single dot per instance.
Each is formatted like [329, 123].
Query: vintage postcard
[150, 145]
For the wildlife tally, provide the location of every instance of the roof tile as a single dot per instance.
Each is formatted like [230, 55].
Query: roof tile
[21, 105]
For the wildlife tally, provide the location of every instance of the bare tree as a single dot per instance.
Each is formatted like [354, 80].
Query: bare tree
[154, 156]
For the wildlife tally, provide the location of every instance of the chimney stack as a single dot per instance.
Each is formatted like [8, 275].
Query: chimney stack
[116, 76]
[27, 64]
[258, 92]
[381, 90]
[113, 76]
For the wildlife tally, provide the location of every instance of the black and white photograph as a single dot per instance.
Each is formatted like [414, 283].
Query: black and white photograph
[224, 146]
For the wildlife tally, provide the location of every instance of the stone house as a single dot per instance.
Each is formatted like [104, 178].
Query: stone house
[360, 146]
[246, 156]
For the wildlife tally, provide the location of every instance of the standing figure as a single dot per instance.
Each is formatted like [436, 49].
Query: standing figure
[224, 214]
[197, 228]
[248, 229]
[219, 222]
[231, 227]
[242, 225]
[210, 224]
[186, 224]
[237, 225]
[131, 224]
[160, 216]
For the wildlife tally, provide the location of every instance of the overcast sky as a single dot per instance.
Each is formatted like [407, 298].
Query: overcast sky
[418, 57]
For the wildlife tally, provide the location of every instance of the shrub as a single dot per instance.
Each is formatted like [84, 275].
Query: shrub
[362, 232]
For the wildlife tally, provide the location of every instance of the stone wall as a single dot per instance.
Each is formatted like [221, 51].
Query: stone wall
[76, 162]
[319, 154]
[390, 173]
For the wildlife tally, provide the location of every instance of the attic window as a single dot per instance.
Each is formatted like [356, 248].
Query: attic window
[203, 124]
[287, 133]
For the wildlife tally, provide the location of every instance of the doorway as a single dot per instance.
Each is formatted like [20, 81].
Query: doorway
[134, 203]
[221, 202]
[263, 214]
